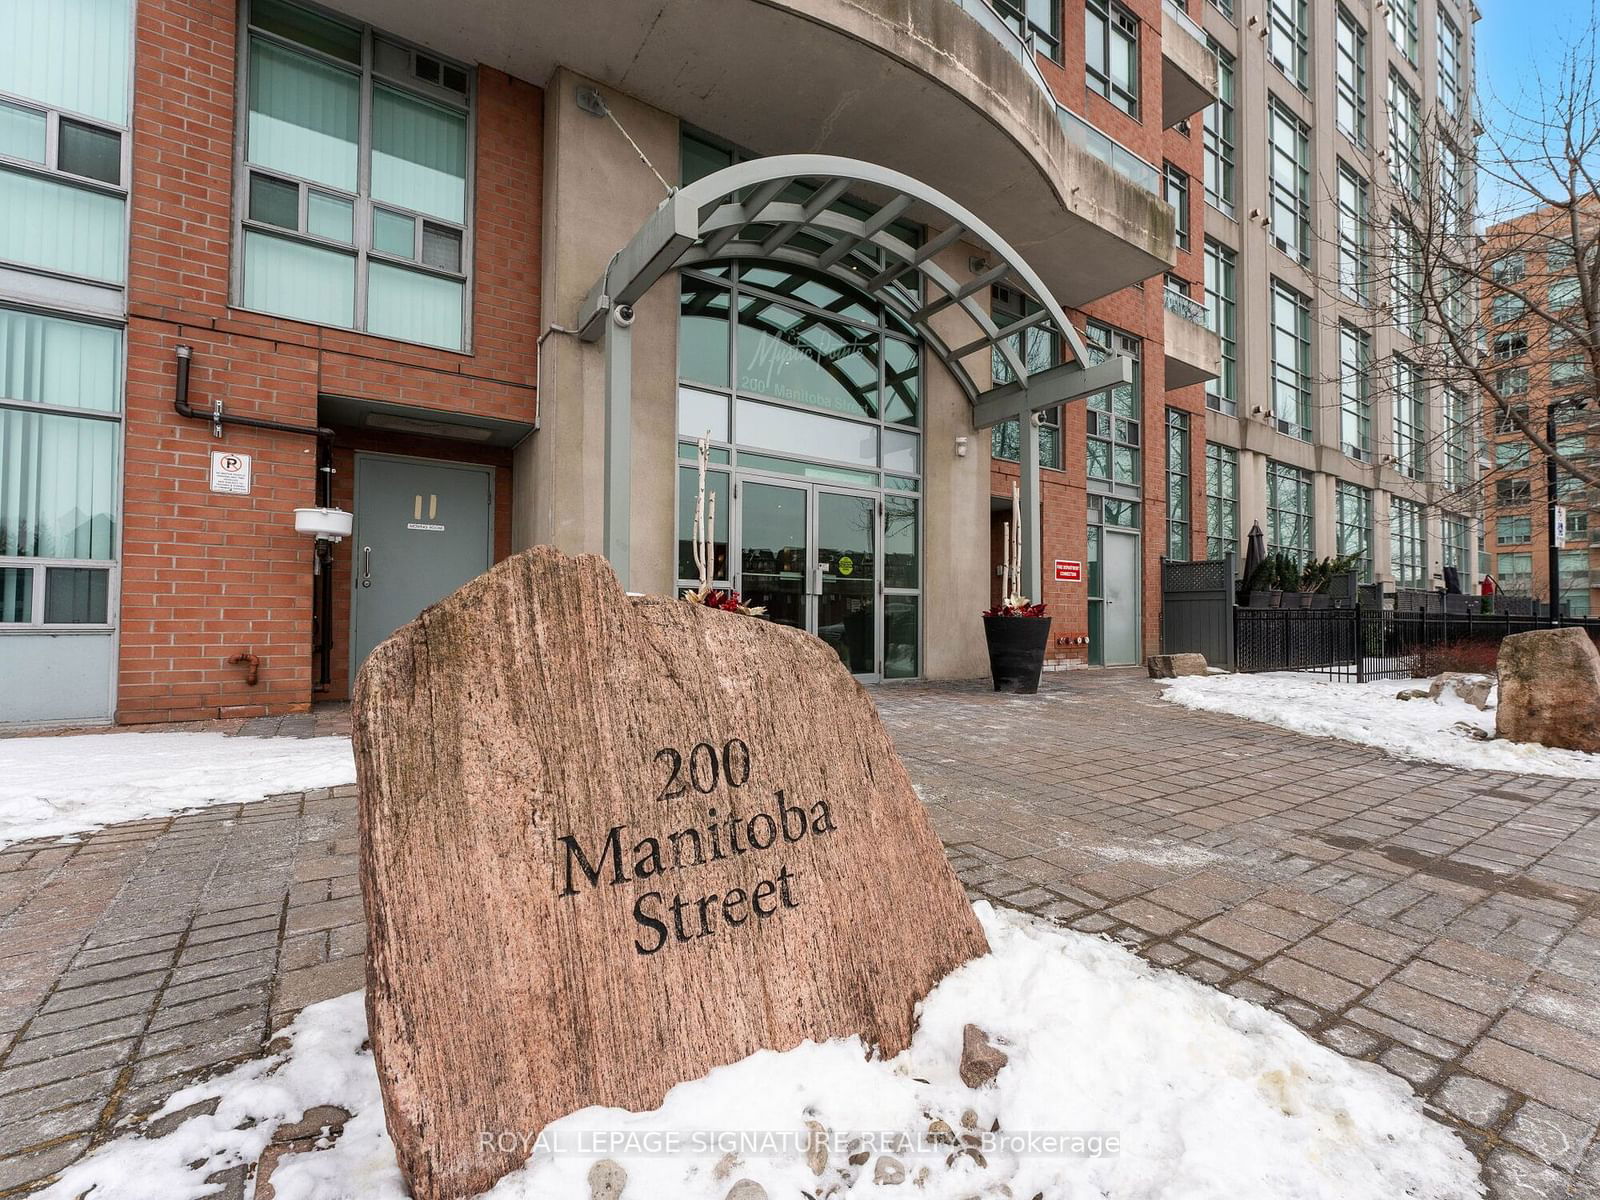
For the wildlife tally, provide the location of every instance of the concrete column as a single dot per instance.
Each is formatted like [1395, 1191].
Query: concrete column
[955, 509]
[596, 196]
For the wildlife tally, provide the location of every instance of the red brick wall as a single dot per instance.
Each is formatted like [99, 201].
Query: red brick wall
[1140, 312]
[206, 576]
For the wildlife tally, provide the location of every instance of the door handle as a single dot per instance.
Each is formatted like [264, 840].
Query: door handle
[366, 566]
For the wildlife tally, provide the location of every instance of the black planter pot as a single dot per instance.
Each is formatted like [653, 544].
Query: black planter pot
[1016, 652]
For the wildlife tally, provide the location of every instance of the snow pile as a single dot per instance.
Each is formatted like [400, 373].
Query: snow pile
[54, 786]
[1371, 715]
[1172, 1089]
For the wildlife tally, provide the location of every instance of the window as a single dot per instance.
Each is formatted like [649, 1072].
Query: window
[1175, 191]
[1355, 402]
[1112, 417]
[1510, 345]
[1565, 292]
[1403, 27]
[1352, 202]
[1289, 511]
[1508, 268]
[1512, 381]
[1568, 372]
[1514, 573]
[1408, 545]
[1511, 456]
[1506, 306]
[1457, 440]
[1221, 136]
[1505, 420]
[1225, 7]
[1512, 493]
[60, 417]
[1291, 361]
[1449, 66]
[1289, 181]
[1038, 348]
[1410, 420]
[1405, 136]
[1221, 392]
[1035, 20]
[1513, 531]
[63, 137]
[1178, 519]
[1350, 78]
[1288, 38]
[1353, 525]
[1111, 52]
[1455, 541]
[1573, 566]
[1222, 500]
[362, 231]
[1455, 209]
[1406, 279]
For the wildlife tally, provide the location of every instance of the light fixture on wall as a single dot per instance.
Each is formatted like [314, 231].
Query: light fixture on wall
[961, 447]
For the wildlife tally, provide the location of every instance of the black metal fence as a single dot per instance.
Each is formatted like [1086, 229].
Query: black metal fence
[1365, 643]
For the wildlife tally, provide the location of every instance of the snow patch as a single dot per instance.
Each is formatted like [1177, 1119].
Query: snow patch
[1370, 715]
[52, 787]
[1209, 1096]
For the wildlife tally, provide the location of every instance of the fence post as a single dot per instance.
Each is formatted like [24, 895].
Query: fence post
[1360, 643]
[1231, 601]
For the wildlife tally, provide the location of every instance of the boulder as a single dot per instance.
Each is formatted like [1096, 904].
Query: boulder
[1550, 690]
[981, 1060]
[1473, 689]
[1170, 666]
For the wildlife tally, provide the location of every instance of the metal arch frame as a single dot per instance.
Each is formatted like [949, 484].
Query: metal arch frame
[705, 221]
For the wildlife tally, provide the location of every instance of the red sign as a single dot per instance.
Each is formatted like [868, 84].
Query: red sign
[1068, 571]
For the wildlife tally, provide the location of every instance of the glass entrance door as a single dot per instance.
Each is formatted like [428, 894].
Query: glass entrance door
[846, 585]
[808, 554]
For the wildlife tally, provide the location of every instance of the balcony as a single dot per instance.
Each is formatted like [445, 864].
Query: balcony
[1193, 352]
[944, 91]
[1188, 69]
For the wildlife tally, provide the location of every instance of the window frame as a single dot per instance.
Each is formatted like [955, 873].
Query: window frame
[1175, 189]
[1296, 376]
[1449, 88]
[1280, 474]
[1405, 28]
[1408, 531]
[1405, 135]
[1220, 135]
[362, 246]
[1180, 510]
[1360, 499]
[1456, 452]
[1352, 92]
[1289, 21]
[1280, 200]
[1354, 233]
[1224, 505]
[1222, 266]
[1355, 391]
[1016, 15]
[1114, 16]
[1409, 426]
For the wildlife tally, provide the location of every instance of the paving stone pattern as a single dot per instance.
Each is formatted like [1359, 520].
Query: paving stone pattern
[1442, 923]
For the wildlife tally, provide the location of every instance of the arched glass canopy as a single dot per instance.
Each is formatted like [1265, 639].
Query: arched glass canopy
[785, 209]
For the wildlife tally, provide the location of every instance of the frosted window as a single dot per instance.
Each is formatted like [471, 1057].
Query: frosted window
[293, 279]
[414, 307]
[68, 54]
[59, 227]
[303, 116]
[419, 155]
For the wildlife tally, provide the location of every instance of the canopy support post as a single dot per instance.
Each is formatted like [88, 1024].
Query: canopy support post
[618, 352]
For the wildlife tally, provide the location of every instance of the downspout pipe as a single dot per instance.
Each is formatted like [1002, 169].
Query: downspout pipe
[324, 436]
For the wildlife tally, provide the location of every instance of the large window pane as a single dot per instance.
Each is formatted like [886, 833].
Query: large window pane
[58, 485]
[419, 155]
[60, 227]
[702, 414]
[22, 132]
[717, 489]
[703, 332]
[901, 380]
[89, 151]
[308, 28]
[68, 364]
[303, 116]
[16, 595]
[76, 596]
[900, 542]
[804, 358]
[70, 54]
[292, 279]
[809, 435]
[900, 636]
[414, 307]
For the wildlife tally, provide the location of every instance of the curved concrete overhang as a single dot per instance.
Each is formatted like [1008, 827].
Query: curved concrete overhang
[930, 88]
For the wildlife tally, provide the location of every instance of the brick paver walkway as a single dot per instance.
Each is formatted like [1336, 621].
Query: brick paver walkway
[1443, 923]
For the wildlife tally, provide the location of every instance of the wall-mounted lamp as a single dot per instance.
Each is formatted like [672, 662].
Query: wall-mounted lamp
[961, 447]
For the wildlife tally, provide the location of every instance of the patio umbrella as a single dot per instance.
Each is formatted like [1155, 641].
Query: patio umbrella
[1452, 582]
[1255, 552]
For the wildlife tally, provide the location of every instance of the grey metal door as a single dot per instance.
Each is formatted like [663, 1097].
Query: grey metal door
[422, 529]
[1120, 580]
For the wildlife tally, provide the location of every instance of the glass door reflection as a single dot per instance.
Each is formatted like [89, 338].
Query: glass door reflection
[773, 555]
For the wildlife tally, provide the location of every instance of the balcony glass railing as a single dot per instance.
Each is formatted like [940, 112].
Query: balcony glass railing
[1190, 310]
[1110, 151]
[1079, 131]
[1184, 19]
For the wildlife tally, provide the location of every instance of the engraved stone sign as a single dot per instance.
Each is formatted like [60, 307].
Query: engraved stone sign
[610, 843]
